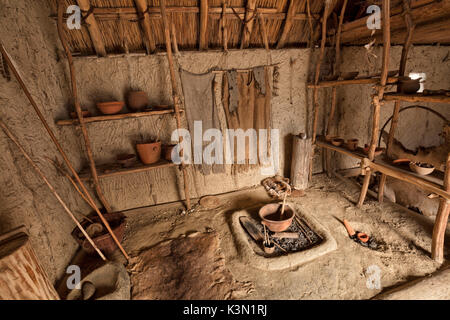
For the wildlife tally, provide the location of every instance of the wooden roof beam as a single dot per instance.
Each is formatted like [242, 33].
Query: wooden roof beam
[250, 17]
[203, 38]
[93, 28]
[294, 5]
[149, 40]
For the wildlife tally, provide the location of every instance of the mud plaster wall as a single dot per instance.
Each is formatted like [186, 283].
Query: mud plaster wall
[103, 79]
[31, 40]
[415, 127]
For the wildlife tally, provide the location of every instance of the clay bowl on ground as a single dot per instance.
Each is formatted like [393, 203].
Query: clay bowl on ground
[421, 168]
[270, 215]
[137, 100]
[85, 114]
[337, 142]
[126, 160]
[111, 107]
[149, 153]
[349, 75]
[352, 144]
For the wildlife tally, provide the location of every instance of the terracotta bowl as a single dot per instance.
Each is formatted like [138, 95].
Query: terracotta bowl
[337, 142]
[85, 114]
[149, 153]
[421, 168]
[270, 217]
[269, 248]
[137, 100]
[330, 137]
[352, 144]
[111, 107]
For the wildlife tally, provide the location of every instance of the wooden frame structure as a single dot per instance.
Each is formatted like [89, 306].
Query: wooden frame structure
[369, 164]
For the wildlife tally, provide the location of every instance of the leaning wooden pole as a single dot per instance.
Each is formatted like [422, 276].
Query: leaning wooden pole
[176, 98]
[79, 113]
[395, 116]
[376, 98]
[58, 146]
[52, 189]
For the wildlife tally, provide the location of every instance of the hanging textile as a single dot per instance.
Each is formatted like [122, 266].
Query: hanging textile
[200, 106]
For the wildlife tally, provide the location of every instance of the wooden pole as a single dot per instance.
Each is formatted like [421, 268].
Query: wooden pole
[224, 27]
[440, 224]
[263, 28]
[142, 9]
[93, 28]
[174, 38]
[41, 174]
[87, 143]
[301, 158]
[56, 143]
[376, 104]
[203, 38]
[395, 116]
[292, 10]
[22, 277]
[176, 99]
[250, 15]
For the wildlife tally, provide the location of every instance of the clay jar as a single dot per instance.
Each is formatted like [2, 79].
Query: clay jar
[111, 107]
[137, 100]
[167, 151]
[149, 152]
[407, 85]
[352, 144]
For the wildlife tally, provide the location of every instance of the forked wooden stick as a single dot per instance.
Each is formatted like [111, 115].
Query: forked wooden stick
[41, 174]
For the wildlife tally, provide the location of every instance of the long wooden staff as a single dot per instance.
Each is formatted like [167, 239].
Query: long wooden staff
[34, 165]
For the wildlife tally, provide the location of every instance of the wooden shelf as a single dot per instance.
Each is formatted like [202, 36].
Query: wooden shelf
[336, 83]
[111, 170]
[358, 154]
[71, 122]
[416, 97]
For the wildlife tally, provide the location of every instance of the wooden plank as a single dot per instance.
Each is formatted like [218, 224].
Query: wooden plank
[250, 227]
[203, 37]
[355, 154]
[416, 97]
[301, 157]
[93, 28]
[250, 17]
[149, 40]
[112, 170]
[112, 117]
[294, 5]
[336, 83]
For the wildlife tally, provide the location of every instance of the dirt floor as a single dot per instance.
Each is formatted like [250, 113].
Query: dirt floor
[346, 273]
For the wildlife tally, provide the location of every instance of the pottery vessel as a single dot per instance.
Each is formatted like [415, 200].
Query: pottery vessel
[269, 210]
[149, 152]
[167, 151]
[408, 86]
[337, 142]
[421, 168]
[85, 114]
[349, 75]
[137, 100]
[352, 144]
[111, 107]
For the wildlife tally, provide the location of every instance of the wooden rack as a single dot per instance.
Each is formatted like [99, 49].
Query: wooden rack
[436, 183]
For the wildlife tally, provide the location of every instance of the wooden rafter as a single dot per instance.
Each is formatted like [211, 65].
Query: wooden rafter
[93, 28]
[294, 5]
[203, 38]
[250, 17]
[144, 21]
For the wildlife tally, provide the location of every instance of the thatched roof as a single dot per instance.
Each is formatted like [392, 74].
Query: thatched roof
[121, 27]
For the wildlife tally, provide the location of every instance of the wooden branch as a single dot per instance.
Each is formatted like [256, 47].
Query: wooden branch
[93, 28]
[294, 5]
[440, 224]
[332, 83]
[338, 38]
[149, 40]
[250, 15]
[174, 38]
[311, 28]
[223, 24]
[176, 99]
[264, 36]
[417, 97]
[203, 38]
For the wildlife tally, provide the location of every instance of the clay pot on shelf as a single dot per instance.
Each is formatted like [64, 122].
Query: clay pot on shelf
[421, 168]
[352, 144]
[337, 142]
[149, 153]
[111, 107]
[407, 85]
[126, 160]
[137, 100]
[348, 75]
[167, 151]
[85, 114]
[330, 137]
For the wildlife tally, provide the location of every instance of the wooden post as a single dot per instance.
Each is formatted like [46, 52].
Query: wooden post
[301, 158]
[376, 99]
[440, 224]
[176, 99]
[224, 27]
[21, 276]
[78, 109]
[142, 9]
[203, 38]
[92, 26]
[395, 116]
[263, 28]
[249, 19]
[174, 37]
